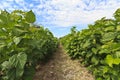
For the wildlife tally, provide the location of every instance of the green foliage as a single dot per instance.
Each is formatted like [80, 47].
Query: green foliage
[14, 68]
[66, 39]
[22, 45]
[98, 47]
[30, 17]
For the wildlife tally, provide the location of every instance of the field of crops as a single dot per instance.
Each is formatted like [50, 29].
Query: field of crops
[22, 45]
[97, 47]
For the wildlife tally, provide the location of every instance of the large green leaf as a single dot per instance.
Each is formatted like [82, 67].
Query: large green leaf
[13, 60]
[30, 17]
[15, 63]
[19, 73]
[110, 60]
[86, 44]
[22, 58]
[114, 46]
[95, 60]
[11, 74]
[105, 69]
[118, 27]
[5, 65]
[19, 32]
[94, 50]
[117, 54]
[110, 28]
[116, 61]
[108, 36]
[17, 40]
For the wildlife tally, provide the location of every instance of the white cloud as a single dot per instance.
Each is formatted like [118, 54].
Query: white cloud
[76, 12]
[4, 5]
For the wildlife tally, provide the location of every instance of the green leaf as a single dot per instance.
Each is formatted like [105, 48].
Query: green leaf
[18, 32]
[11, 74]
[118, 37]
[95, 60]
[116, 61]
[94, 50]
[30, 17]
[22, 58]
[13, 60]
[104, 51]
[118, 28]
[114, 46]
[99, 78]
[105, 69]
[5, 65]
[110, 28]
[17, 40]
[108, 36]
[19, 73]
[86, 44]
[109, 60]
[117, 54]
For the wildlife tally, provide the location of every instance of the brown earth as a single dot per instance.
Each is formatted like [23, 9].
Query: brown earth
[61, 67]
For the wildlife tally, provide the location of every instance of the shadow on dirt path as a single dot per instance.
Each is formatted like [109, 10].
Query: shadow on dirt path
[61, 67]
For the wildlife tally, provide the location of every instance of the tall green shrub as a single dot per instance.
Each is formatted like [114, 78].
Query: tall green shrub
[22, 45]
[98, 47]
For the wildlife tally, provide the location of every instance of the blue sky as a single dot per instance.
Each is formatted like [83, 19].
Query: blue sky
[60, 15]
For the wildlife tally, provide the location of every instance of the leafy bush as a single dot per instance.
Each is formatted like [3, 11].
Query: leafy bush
[98, 47]
[65, 40]
[22, 45]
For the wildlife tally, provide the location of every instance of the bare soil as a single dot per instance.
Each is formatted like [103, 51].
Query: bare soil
[61, 67]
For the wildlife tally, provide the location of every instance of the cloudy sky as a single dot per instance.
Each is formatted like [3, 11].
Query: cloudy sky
[60, 15]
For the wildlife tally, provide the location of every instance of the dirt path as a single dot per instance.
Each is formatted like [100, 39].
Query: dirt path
[61, 67]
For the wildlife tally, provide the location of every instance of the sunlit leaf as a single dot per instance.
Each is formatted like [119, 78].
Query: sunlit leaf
[30, 17]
